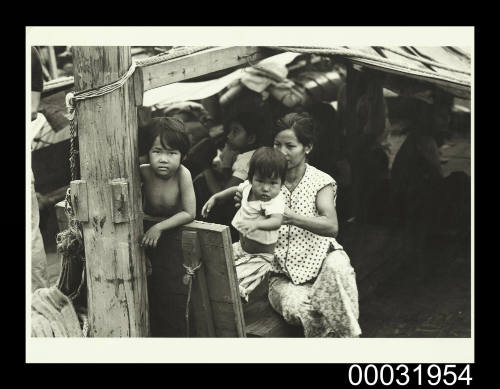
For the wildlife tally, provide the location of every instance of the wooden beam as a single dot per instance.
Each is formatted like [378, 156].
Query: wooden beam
[201, 63]
[107, 137]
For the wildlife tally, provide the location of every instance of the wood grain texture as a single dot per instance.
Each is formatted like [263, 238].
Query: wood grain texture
[119, 198]
[62, 218]
[202, 310]
[219, 272]
[79, 199]
[200, 64]
[107, 133]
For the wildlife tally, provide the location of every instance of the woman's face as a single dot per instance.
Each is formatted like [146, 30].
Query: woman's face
[295, 152]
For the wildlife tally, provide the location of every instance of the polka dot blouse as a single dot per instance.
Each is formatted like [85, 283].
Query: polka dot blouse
[300, 253]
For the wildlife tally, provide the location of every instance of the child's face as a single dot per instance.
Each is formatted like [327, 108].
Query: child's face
[237, 138]
[265, 188]
[164, 161]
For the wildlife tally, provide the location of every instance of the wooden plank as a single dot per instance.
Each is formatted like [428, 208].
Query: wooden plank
[201, 63]
[264, 322]
[119, 198]
[107, 137]
[138, 86]
[202, 310]
[234, 286]
[79, 199]
[62, 219]
[216, 255]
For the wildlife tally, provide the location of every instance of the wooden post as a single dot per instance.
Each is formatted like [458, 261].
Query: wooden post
[109, 165]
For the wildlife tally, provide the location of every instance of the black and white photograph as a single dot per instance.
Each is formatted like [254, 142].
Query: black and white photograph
[215, 187]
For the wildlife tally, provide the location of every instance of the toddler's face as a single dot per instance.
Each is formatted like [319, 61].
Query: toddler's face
[164, 161]
[265, 188]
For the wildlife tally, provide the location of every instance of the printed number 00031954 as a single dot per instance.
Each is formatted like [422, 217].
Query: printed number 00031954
[401, 375]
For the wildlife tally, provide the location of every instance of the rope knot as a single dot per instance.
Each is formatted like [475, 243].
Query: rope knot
[190, 273]
[70, 104]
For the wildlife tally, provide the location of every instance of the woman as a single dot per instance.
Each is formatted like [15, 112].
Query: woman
[312, 282]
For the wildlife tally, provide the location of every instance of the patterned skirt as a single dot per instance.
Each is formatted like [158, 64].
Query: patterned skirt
[325, 307]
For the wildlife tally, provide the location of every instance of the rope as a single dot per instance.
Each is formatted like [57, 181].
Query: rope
[72, 279]
[361, 55]
[188, 280]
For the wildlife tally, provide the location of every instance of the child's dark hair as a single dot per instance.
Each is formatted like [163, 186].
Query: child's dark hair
[302, 125]
[254, 123]
[268, 162]
[171, 131]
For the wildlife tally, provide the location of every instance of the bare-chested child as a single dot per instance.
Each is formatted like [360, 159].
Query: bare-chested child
[167, 185]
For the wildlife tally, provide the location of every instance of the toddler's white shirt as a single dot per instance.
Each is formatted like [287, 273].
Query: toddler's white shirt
[258, 210]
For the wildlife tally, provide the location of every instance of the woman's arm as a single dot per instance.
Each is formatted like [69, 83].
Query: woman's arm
[326, 224]
[233, 181]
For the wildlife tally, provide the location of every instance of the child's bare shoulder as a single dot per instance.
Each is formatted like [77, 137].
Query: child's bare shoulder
[184, 173]
[145, 170]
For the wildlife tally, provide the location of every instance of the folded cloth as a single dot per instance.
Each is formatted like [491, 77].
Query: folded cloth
[53, 314]
[251, 269]
[40, 326]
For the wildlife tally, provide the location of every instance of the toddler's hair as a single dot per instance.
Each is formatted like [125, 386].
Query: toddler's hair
[171, 131]
[268, 162]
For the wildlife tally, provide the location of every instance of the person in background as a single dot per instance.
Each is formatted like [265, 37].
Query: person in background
[38, 255]
[417, 177]
[245, 132]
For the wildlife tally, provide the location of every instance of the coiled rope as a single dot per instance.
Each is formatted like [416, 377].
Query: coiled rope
[188, 280]
[72, 98]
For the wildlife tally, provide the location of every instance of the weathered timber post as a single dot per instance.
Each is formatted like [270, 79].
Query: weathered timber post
[112, 222]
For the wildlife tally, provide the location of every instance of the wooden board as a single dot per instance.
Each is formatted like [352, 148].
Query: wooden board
[199, 64]
[168, 314]
[261, 319]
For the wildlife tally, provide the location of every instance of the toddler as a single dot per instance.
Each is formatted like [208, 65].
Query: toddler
[259, 217]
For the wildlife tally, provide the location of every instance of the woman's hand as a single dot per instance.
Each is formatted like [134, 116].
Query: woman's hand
[237, 199]
[288, 216]
[208, 206]
[151, 237]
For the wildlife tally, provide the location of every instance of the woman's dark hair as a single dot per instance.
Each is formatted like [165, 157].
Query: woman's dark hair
[302, 124]
[171, 132]
[268, 162]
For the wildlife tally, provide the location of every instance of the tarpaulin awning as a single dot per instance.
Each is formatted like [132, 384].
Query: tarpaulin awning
[446, 66]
